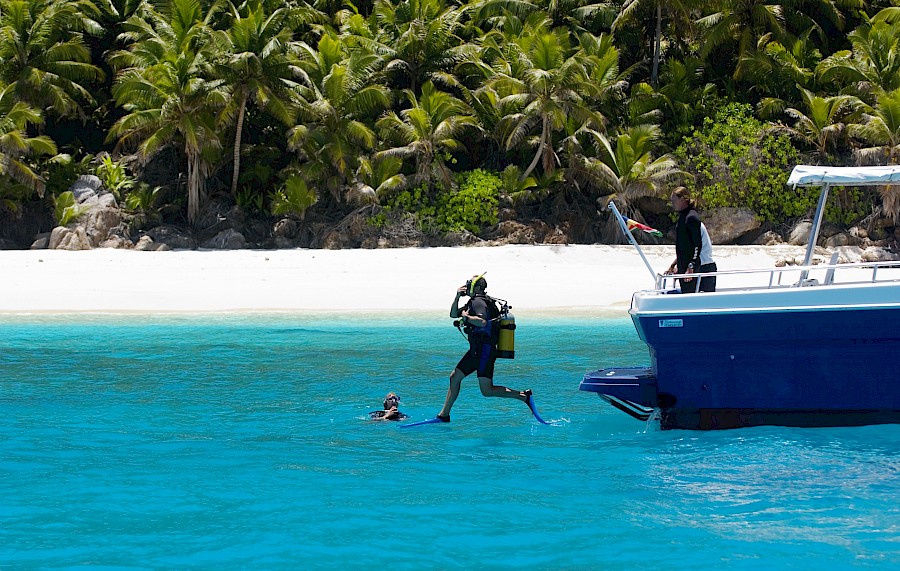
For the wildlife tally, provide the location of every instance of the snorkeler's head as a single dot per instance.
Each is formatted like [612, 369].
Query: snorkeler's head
[391, 400]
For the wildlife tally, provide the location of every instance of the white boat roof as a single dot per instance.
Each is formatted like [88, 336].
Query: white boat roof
[807, 175]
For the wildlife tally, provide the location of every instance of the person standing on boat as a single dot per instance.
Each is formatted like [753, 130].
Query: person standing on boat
[479, 327]
[693, 248]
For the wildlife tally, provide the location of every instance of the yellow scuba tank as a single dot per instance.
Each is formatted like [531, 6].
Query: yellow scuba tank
[506, 343]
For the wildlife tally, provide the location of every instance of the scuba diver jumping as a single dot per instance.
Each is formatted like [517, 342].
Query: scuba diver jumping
[482, 319]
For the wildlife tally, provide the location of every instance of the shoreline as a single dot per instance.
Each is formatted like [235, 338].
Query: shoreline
[559, 280]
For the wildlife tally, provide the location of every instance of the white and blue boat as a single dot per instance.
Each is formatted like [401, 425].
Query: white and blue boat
[811, 345]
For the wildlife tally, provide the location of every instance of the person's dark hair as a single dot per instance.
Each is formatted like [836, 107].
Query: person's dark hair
[682, 192]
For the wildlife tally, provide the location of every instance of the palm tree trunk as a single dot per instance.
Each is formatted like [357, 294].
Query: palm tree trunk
[545, 127]
[237, 144]
[193, 187]
[890, 197]
[657, 47]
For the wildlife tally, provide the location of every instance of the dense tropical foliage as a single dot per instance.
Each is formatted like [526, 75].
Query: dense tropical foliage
[446, 111]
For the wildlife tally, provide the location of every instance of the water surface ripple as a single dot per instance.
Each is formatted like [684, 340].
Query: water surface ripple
[235, 442]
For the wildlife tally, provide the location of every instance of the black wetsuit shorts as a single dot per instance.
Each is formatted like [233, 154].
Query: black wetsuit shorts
[481, 360]
[707, 284]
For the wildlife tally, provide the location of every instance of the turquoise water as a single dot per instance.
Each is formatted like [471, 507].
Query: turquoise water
[241, 442]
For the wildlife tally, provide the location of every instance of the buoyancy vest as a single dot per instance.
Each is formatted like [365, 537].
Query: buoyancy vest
[489, 332]
[498, 334]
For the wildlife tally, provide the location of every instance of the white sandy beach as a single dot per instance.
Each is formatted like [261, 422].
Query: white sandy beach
[572, 279]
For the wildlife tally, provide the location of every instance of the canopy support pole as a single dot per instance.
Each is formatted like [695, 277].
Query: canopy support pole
[631, 239]
[814, 230]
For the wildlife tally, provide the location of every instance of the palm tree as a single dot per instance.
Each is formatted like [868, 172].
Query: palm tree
[823, 19]
[336, 101]
[739, 24]
[166, 91]
[427, 131]
[607, 84]
[543, 82]
[627, 170]
[257, 67]
[15, 119]
[43, 56]
[874, 63]
[778, 70]
[125, 8]
[418, 39]
[685, 100]
[631, 10]
[576, 144]
[377, 177]
[819, 124]
[881, 129]
[581, 14]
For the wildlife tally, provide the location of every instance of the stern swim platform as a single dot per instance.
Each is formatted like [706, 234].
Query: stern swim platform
[799, 346]
[629, 389]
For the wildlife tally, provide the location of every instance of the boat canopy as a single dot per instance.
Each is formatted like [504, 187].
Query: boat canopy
[825, 177]
[806, 175]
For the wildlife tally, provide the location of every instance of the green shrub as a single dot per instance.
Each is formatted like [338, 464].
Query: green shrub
[294, 198]
[735, 161]
[142, 201]
[847, 206]
[248, 200]
[473, 206]
[113, 176]
[66, 209]
[415, 202]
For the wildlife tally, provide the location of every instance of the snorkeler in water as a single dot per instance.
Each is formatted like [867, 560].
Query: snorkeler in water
[390, 412]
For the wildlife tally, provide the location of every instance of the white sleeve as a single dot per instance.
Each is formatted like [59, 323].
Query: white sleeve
[706, 246]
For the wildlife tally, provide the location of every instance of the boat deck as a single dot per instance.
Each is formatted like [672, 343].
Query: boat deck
[822, 286]
[830, 273]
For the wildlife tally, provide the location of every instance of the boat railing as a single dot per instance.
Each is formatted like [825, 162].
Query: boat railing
[815, 275]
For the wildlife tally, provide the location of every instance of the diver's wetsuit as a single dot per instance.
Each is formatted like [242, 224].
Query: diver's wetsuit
[380, 414]
[481, 355]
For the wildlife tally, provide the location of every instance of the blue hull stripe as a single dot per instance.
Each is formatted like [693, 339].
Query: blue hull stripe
[768, 361]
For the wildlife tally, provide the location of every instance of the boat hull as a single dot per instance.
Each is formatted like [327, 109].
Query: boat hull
[788, 358]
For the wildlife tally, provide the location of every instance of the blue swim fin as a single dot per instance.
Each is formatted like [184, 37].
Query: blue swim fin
[531, 405]
[434, 420]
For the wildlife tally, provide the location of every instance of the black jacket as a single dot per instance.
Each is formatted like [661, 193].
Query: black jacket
[687, 240]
